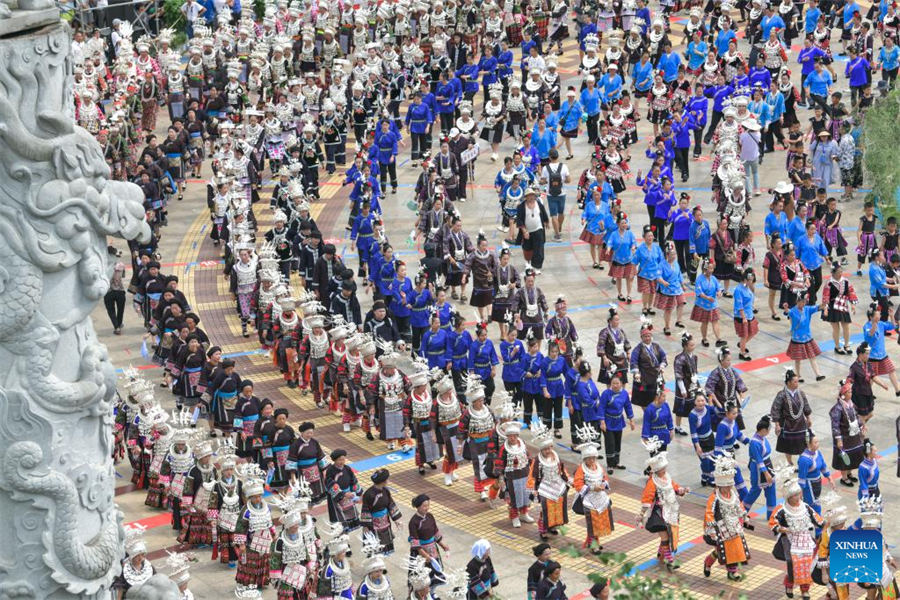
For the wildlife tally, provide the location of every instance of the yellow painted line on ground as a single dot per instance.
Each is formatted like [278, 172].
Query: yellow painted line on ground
[188, 254]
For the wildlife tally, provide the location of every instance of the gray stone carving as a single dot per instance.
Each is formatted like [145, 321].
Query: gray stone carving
[61, 531]
[22, 15]
[158, 587]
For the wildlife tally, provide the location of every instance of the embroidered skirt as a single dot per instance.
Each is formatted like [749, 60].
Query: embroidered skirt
[803, 350]
[253, 569]
[746, 327]
[701, 315]
[646, 286]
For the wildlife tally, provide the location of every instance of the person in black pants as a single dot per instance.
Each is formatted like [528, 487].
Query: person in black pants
[532, 219]
[387, 141]
[114, 300]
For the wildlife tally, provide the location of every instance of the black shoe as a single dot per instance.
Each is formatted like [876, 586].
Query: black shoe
[421, 470]
[679, 324]
[432, 465]
[820, 377]
[721, 343]
[846, 483]
[369, 436]
[621, 467]
[852, 477]
[705, 343]
[667, 331]
[776, 318]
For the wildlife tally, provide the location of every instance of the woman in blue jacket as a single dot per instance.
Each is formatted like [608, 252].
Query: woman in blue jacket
[620, 244]
[670, 290]
[421, 303]
[573, 401]
[803, 346]
[570, 117]
[533, 380]
[401, 298]
[588, 397]
[553, 370]
[483, 360]
[387, 141]
[706, 303]
[615, 407]
[512, 353]
[745, 324]
[436, 345]
[648, 258]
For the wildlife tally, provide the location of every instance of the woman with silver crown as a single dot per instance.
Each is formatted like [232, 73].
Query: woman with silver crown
[197, 497]
[335, 579]
[660, 511]
[591, 483]
[535, 92]
[253, 536]
[136, 568]
[835, 515]
[590, 62]
[244, 278]
[293, 555]
[465, 123]
[226, 500]
[516, 107]
[423, 419]
[724, 522]
[794, 524]
[376, 585]
[448, 411]
[494, 117]
[291, 560]
[871, 511]
[173, 472]
[477, 431]
[512, 465]
[548, 479]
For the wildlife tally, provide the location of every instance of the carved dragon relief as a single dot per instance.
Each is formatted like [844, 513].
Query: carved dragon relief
[57, 209]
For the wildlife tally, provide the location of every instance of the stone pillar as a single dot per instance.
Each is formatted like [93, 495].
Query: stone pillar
[61, 532]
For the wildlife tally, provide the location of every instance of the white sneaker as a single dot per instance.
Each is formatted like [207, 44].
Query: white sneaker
[448, 479]
[357, 423]
[516, 523]
[494, 157]
[501, 228]
[527, 518]
[391, 446]
[484, 496]
[346, 427]
[456, 477]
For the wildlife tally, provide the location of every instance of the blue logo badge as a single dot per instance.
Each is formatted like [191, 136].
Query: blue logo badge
[855, 556]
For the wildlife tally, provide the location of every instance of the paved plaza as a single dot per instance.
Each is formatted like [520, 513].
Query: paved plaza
[188, 252]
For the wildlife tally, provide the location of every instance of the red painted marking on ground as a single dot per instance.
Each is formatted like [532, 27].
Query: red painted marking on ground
[151, 522]
[762, 363]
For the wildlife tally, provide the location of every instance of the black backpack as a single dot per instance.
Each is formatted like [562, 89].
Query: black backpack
[555, 182]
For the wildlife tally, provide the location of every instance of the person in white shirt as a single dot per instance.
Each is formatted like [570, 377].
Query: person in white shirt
[531, 218]
[191, 11]
[554, 176]
[78, 48]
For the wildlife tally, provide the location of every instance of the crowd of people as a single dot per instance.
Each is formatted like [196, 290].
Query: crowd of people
[280, 98]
